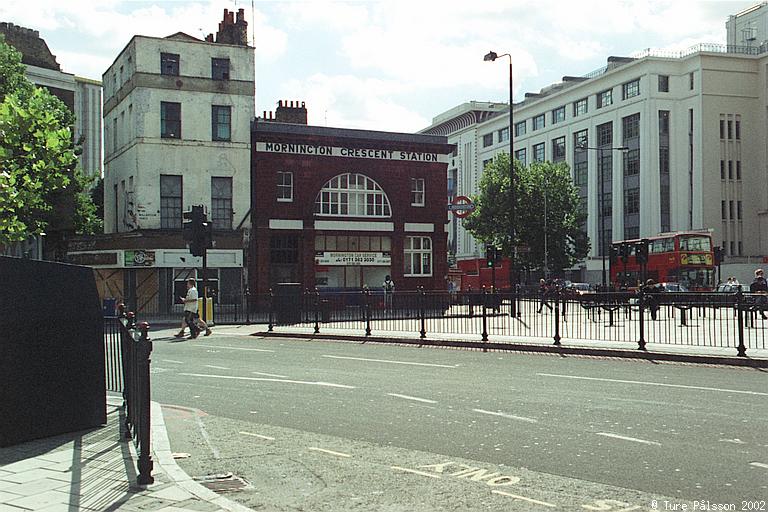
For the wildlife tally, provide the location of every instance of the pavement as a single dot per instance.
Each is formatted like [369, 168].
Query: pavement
[95, 470]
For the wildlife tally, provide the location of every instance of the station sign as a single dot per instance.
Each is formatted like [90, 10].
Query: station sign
[352, 258]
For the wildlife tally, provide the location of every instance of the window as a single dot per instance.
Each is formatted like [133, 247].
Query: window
[723, 211]
[580, 107]
[730, 169]
[558, 114]
[418, 256]
[607, 204]
[730, 129]
[661, 245]
[631, 126]
[169, 64]
[632, 162]
[632, 201]
[220, 69]
[417, 192]
[630, 89]
[733, 252]
[580, 174]
[486, 162]
[663, 83]
[170, 120]
[558, 149]
[520, 155]
[690, 81]
[580, 139]
[605, 98]
[631, 233]
[605, 134]
[487, 140]
[221, 202]
[738, 169]
[519, 128]
[738, 129]
[740, 249]
[722, 129]
[538, 152]
[503, 134]
[730, 210]
[352, 195]
[170, 202]
[538, 122]
[738, 210]
[221, 122]
[663, 122]
[664, 160]
[284, 186]
[722, 169]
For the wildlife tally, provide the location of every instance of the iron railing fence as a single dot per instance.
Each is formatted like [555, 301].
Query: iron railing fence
[686, 319]
[127, 353]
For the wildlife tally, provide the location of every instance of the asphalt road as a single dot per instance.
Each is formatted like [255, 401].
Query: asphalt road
[328, 425]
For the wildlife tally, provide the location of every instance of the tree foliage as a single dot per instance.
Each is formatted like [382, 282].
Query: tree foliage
[38, 182]
[491, 223]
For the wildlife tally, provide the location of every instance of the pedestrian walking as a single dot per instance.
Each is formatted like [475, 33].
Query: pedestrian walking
[543, 295]
[651, 290]
[760, 286]
[389, 291]
[191, 317]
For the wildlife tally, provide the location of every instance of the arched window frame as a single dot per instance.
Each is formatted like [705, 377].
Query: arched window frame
[352, 195]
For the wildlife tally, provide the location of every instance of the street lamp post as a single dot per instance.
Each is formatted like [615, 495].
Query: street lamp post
[490, 57]
[601, 179]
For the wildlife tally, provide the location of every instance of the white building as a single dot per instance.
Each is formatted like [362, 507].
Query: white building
[695, 124]
[177, 116]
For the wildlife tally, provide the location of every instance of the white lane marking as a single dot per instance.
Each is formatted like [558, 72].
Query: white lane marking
[257, 435]
[530, 500]
[216, 367]
[271, 375]
[232, 348]
[415, 472]
[207, 439]
[338, 454]
[633, 439]
[759, 465]
[505, 415]
[653, 384]
[391, 362]
[426, 401]
[171, 361]
[287, 381]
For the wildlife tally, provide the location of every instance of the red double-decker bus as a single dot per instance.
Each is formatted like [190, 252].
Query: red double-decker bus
[685, 257]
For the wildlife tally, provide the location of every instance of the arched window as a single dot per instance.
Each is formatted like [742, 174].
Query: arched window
[352, 195]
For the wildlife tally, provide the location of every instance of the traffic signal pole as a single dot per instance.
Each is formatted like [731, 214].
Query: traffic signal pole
[205, 285]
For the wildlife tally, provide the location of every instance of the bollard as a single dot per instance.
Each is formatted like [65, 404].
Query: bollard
[247, 306]
[683, 318]
[317, 311]
[471, 306]
[741, 349]
[610, 317]
[557, 321]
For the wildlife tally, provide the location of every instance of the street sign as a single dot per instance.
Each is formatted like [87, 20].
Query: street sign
[461, 206]
[522, 248]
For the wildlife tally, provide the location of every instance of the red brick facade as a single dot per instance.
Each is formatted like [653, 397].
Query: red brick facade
[389, 159]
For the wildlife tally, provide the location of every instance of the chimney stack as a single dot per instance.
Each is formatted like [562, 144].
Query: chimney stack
[291, 112]
[231, 31]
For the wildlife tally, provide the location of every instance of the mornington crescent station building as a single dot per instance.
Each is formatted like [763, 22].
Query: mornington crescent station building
[338, 209]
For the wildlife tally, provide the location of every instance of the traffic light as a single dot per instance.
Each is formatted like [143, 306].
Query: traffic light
[491, 254]
[615, 253]
[718, 254]
[641, 251]
[197, 231]
[624, 251]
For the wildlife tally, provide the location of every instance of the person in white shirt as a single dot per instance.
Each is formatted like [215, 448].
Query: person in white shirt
[191, 318]
[389, 290]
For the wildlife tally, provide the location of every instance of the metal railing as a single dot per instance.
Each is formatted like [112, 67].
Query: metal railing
[127, 352]
[685, 319]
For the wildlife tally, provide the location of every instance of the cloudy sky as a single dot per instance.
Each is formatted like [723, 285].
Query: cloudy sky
[386, 64]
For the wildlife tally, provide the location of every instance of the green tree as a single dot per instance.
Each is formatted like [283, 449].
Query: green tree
[39, 186]
[566, 242]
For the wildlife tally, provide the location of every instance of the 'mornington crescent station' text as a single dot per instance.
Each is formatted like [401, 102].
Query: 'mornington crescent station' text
[383, 154]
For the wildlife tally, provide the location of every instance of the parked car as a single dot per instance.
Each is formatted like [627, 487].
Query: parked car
[673, 287]
[580, 288]
[731, 288]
